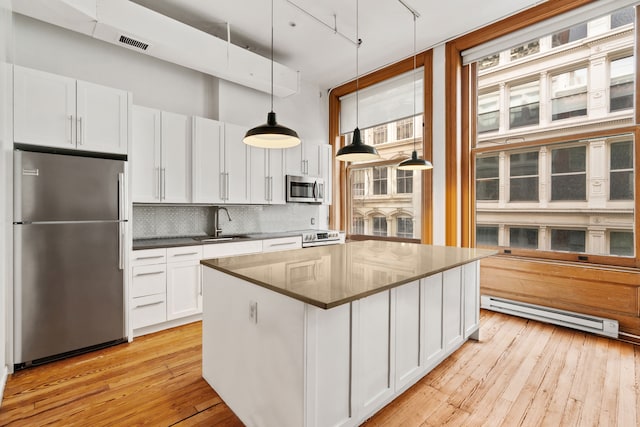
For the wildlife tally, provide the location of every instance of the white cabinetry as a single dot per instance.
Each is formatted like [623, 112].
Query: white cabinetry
[313, 160]
[161, 159]
[57, 111]
[267, 176]
[166, 285]
[220, 163]
[184, 285]
[148, 287]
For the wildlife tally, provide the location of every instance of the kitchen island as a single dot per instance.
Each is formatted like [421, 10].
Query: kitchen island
[327, 336]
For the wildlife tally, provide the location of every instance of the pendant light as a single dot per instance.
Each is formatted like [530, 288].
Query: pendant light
[357, 151]
[271, 134]
[414, 163]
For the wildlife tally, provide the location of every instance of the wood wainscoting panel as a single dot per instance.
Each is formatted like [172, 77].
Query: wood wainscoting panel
[604, 291]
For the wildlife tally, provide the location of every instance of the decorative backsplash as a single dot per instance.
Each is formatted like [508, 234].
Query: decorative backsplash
[178, 221]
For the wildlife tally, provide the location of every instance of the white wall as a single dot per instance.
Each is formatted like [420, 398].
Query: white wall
[154, 83]
[6, 41]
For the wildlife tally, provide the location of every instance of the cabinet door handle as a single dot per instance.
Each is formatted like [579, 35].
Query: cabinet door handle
[149, 304]
[149, 273]
[70, 128]
[226, 186]
[220, 185]
[164, 184]
[149, 257]
[271, 245]
[79, 137]
[186, 253]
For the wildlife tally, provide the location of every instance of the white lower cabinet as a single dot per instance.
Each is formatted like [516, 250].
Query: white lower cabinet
[166, 285]
[407, 307]
[184, 284]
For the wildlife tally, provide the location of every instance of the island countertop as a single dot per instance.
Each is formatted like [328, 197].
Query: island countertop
[329, 276]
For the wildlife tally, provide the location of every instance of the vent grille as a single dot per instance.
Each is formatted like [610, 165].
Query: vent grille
[134, 43]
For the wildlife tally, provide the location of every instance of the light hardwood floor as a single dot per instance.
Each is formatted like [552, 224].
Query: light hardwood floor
[520, 373]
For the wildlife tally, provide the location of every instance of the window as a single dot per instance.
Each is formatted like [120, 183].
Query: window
[523, 173]
[525, 50]
[570, 35]
[488, 112]
[487, 235]
[489, 61]
[357, 225]
[569, 94]
[405, 227]
[379, 134]
[379, 190]
[621, 243]
[524, 105]
[379, 226]
[568, 240]
[568, 173]
[404, 129]
[621, 171]
[357, 183]
[487, 178]
[622, 17]
[621, 85]
[523, 238]
[404, 179]
[380, 180]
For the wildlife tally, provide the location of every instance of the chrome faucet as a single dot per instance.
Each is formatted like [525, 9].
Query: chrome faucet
[216, 221]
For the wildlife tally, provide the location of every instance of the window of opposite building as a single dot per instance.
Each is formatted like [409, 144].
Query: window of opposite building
[404, 129]
[524, 105]
[489, 112]
[380, 180]
[621, 86]
[523, 177]
[379, 226]
[521, 237]
[569, 173]
[487, 178]
[621, 181]
[404, 181]
[569, 94]
[357, 225]
[404, 227]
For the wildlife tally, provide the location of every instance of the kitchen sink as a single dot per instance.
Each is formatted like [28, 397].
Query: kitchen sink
[220, 238]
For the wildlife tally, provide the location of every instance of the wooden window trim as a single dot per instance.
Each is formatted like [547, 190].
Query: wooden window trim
[338, 212]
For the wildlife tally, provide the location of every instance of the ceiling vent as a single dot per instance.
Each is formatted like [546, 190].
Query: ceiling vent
[134, 43]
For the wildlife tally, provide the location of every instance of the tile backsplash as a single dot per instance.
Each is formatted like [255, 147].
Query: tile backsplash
[178, 221]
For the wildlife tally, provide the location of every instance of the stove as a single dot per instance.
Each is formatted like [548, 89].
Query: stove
[312, 238]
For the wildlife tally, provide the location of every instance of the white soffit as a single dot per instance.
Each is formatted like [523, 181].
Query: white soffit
[167, 39]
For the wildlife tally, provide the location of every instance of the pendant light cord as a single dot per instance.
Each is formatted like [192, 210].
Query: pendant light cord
[358, 42]
[414, 77]
[271, 55]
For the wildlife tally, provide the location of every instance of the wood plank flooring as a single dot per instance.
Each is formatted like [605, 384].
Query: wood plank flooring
[521, 373]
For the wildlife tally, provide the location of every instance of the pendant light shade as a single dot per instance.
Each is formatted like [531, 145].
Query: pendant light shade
[414, 163]
[357, 151]
[271, 134]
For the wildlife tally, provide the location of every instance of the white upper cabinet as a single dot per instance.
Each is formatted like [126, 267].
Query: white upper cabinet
[312, 160]
[145, 155]
[56, 111]
[176, 158]
[161, 160]
[235, 172]
[208, 160]
[267, 176]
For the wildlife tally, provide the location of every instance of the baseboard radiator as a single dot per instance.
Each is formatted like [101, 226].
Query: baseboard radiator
[583, 322]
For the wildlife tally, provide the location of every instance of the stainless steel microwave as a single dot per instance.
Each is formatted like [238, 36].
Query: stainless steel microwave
[305, 189]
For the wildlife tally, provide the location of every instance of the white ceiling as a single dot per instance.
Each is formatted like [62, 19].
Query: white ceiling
[323, 56]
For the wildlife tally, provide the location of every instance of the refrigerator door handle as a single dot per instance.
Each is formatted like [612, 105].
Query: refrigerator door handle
[121, 245]
[121, 207]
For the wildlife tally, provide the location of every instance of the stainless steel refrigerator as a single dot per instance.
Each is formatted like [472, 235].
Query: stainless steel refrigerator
[69, 225]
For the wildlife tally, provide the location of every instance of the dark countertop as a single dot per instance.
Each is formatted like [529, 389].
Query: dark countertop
[344, 273]
[171, 242]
